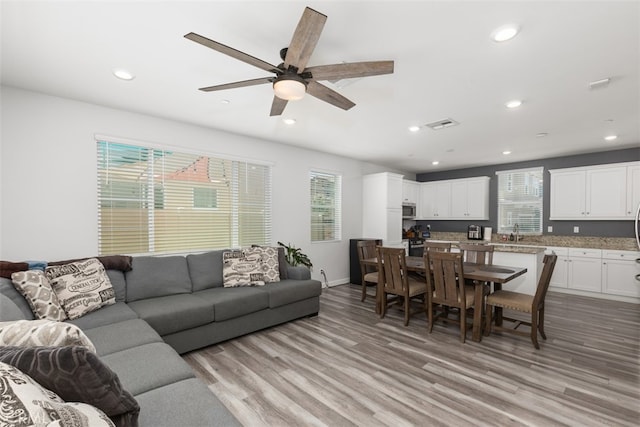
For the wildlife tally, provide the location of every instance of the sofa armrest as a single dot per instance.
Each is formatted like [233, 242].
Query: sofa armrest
[299, 272]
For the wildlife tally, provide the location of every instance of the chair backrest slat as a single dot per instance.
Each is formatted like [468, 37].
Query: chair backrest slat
[477, 253]
[366, 250]
[545, 278]
[446, 282]
[437, 246]
[392, 269]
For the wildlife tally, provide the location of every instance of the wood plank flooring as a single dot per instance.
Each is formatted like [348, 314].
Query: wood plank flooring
[348, 367]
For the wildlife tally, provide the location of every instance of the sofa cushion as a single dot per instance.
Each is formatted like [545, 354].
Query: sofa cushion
[119, 284]
[80, 376]
[34, 286]
[174, 313]
[9, 310]
[81, 286]
[289, 291]
[198, 406]
[27, 403]
[47, 333]
[122, 335]
[205, 270]
[153, 277]
[234, 302]
[148, 366]
[9, 291]
[105, 316]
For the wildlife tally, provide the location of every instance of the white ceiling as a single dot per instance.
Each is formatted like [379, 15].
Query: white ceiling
[446, 66]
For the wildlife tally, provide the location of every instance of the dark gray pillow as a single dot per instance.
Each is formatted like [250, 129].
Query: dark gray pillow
[282, 262]
[76, 375]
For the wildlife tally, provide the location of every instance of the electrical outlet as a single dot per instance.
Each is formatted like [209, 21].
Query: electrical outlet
[576, 229]
[550, 229]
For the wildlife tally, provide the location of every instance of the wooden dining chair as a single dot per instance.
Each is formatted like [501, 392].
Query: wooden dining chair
[437, 246]
[368, 273]
[394, 279]
[533, 304]
[445, 289]
[477, 253]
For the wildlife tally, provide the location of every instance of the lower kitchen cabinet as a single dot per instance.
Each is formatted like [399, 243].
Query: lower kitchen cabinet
[560, 276]
[584, 270]
[621, 273]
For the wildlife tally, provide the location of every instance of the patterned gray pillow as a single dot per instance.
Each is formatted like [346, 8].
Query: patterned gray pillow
[80, 376]
[39, 333]
[241, 269]
[27, 403]
[81, 287]
[36, 289]
[268, 259]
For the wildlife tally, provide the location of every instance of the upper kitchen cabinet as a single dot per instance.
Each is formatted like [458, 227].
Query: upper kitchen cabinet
[455, 199]
[435, 200]
[603, 192]
[410, 191]
[633, 189]
[382, 207]
[470, 198]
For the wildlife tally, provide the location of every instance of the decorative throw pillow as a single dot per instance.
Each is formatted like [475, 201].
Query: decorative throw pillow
[81, 286]
[241, 269]
[47, 333]
[269, 263]
[7, 268]
[24, 402]
[36, 289]
[79, 376]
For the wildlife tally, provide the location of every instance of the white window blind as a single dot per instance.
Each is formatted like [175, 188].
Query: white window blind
[160, 201]
[326, 203]
[520, 200]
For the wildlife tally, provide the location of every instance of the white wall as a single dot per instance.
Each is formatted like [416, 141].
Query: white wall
[48, 178]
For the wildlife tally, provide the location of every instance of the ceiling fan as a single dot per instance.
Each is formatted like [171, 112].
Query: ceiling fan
[292, 77]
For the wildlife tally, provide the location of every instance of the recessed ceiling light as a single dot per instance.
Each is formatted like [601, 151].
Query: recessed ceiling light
[435, 163]
[289, 121]
[225, 101]
[541, 134]
[610, 137]
[414, 128]
[506, 153]
[504, 33]
[123, 74]
[513, 104]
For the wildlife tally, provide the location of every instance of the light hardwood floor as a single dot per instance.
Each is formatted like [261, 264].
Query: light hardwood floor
[348, 367]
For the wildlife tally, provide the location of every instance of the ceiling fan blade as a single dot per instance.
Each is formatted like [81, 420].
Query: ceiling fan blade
[277, 107]
[304, 39]
[322, 92]
[350, 70]
[243, 83]
[244, 57]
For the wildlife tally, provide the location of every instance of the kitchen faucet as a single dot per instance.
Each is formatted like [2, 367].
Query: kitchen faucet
[516, 230]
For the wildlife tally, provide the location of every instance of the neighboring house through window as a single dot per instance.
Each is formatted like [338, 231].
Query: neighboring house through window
[326, 205]
[162, 201]
[520, 201]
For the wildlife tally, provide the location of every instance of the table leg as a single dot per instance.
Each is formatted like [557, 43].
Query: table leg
[498, 312]
[477, 311]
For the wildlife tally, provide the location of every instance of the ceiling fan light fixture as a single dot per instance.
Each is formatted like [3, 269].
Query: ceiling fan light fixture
[289, 88]
[505, 32]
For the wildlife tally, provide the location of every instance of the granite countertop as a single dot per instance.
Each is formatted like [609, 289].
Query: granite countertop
[528, 244]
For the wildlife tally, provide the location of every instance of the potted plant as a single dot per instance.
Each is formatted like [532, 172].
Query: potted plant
[294, 256]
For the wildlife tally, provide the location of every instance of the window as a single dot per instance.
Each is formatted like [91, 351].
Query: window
[520, 200]
[326, 202]
[160, 201]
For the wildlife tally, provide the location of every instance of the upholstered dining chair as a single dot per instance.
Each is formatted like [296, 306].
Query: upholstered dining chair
[477, 253]
[445, 289]
[394, 279]
[533, 304]
[367, 249]
[437, 246]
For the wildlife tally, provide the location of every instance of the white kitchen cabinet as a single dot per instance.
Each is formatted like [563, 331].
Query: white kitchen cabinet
[584, 270]
[560, 276]
[435, 200]
[619, 271]
[470, 198]
[593, 193]
[410, 191]
[382, 207]
[633, 190]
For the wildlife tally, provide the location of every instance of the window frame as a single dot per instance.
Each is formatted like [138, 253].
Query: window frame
[536, 200]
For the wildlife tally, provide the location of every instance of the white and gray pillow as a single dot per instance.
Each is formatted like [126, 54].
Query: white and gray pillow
[81, 286]
[36, 289]
[240, 268]
[25, 402]
[46, 333]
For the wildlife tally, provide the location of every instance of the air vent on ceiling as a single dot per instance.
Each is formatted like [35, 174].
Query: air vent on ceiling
[441, 124]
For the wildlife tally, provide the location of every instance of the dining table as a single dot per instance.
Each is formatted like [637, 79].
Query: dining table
[479, 274]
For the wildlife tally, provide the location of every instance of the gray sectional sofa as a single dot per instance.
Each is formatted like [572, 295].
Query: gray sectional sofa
[166, 306]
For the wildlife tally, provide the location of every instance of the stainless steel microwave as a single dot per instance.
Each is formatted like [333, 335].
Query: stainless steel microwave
[408, 210]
